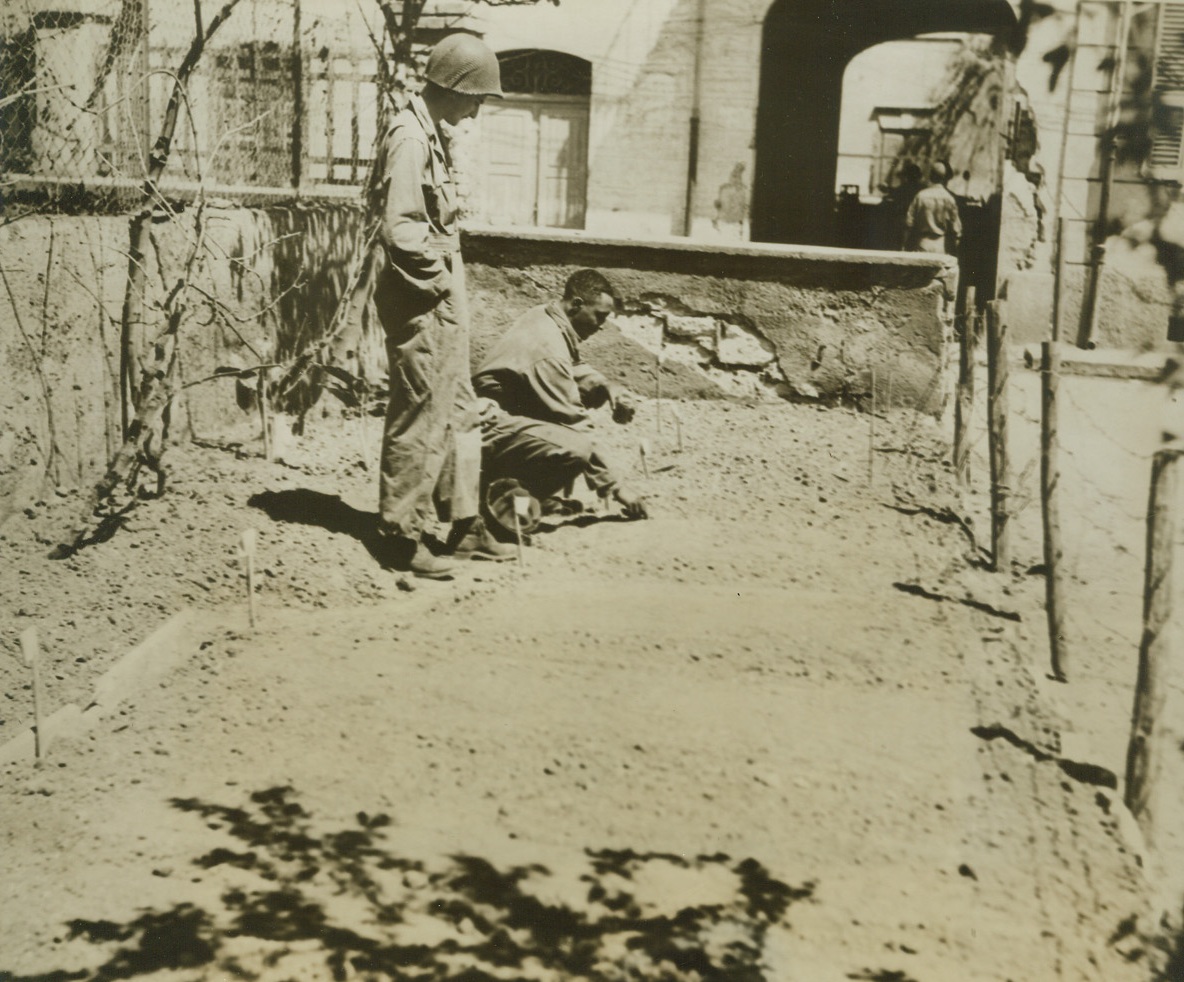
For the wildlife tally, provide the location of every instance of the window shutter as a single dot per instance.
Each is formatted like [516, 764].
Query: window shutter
[1168, 134]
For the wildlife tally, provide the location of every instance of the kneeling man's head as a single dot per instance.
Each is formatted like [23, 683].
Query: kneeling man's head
[588, 299]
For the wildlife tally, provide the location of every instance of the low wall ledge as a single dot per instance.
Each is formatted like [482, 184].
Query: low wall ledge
[817, 266]
[762, 250]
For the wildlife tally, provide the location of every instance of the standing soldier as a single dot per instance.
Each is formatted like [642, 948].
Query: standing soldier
[933, 223]
[431, 443]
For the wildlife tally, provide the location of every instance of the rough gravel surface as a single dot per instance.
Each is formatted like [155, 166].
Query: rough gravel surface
[787, 729]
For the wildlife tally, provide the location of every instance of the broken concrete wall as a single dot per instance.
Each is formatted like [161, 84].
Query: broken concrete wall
[756, 320]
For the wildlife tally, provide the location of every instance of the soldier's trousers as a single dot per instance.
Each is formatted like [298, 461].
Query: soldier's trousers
[431, 443]
[545, 458]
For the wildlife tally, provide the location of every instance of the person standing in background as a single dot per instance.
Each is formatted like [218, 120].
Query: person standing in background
[933, 223]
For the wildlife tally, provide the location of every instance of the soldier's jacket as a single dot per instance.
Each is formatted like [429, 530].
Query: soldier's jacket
[417, 198]
[534, 370]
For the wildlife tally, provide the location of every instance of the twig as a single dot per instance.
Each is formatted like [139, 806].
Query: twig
[54, 450]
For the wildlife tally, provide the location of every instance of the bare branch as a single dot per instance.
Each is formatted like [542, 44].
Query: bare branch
[55, 451]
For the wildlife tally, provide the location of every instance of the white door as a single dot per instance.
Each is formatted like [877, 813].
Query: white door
[535, 156]
[509, 141]
[562, 166]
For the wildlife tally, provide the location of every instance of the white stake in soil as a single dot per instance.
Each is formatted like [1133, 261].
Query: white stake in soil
[250, 537]
[521, 511]
[658, 385]
[644, 449]
[871, 435]
[31, 649]
[677, 427]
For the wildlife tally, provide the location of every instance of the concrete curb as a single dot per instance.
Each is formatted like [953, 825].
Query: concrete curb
[165, 649]
[149, 661]
[66, 722]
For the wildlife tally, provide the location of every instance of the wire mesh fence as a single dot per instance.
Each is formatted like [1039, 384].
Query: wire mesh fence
[1111, 419]
[285, 99]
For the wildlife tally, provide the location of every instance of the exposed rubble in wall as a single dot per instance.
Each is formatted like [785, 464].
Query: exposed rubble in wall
[733, 356]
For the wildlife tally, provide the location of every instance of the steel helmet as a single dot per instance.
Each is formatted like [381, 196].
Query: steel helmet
[465, 64]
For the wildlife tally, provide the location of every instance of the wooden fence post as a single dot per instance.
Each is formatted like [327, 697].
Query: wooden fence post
[1058, 281]
[1154, 791]
[1054, 602]
[1146, 749]
[997, 377]
[964, 401]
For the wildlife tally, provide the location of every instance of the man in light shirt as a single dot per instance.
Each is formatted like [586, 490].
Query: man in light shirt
[933, 223]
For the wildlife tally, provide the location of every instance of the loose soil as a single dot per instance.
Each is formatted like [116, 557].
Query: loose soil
[789, 729]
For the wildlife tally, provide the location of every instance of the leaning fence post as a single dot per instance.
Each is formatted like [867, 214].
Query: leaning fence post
[1145, 752]
[1054, 602]
[997, 373]
[964, 403]
[1154, 791]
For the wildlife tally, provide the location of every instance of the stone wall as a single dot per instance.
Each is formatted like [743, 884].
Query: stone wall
[750, 322]
[800, 322]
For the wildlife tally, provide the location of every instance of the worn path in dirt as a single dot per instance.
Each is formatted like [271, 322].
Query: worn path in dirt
[760, 733]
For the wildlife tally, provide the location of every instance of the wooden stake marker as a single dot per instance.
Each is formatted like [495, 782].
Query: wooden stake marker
[871, 434]
[677, 427]
[964, 402]
[521, 511]
[1151, 742]
[658, 383]
[250, 537]
[31, 650]
[644, 449]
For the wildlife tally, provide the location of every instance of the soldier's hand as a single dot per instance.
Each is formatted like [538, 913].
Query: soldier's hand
[623, 409]
[633, 504]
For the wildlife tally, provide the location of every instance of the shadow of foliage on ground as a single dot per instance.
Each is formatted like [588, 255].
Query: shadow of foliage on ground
[340, 904]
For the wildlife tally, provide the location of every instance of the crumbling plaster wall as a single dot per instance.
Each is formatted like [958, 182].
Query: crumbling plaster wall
[273, 275]
[752, 321]
[806, 323]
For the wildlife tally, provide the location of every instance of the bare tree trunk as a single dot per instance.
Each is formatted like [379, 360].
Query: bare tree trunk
[141, 405]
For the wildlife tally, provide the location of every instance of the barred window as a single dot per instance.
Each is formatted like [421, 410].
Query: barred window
[534, 72]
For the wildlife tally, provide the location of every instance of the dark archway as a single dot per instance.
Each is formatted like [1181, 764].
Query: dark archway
[806, 46]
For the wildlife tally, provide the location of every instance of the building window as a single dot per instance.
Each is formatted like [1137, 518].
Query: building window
[1168, 74]
[902, 135]
[534, 143]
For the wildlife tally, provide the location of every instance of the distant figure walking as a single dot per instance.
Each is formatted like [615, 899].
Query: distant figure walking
[933, 223]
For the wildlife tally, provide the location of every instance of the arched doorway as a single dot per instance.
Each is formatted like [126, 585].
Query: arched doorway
[806, 45]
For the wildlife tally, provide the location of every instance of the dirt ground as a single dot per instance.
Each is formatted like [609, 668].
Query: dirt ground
[788, 729]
